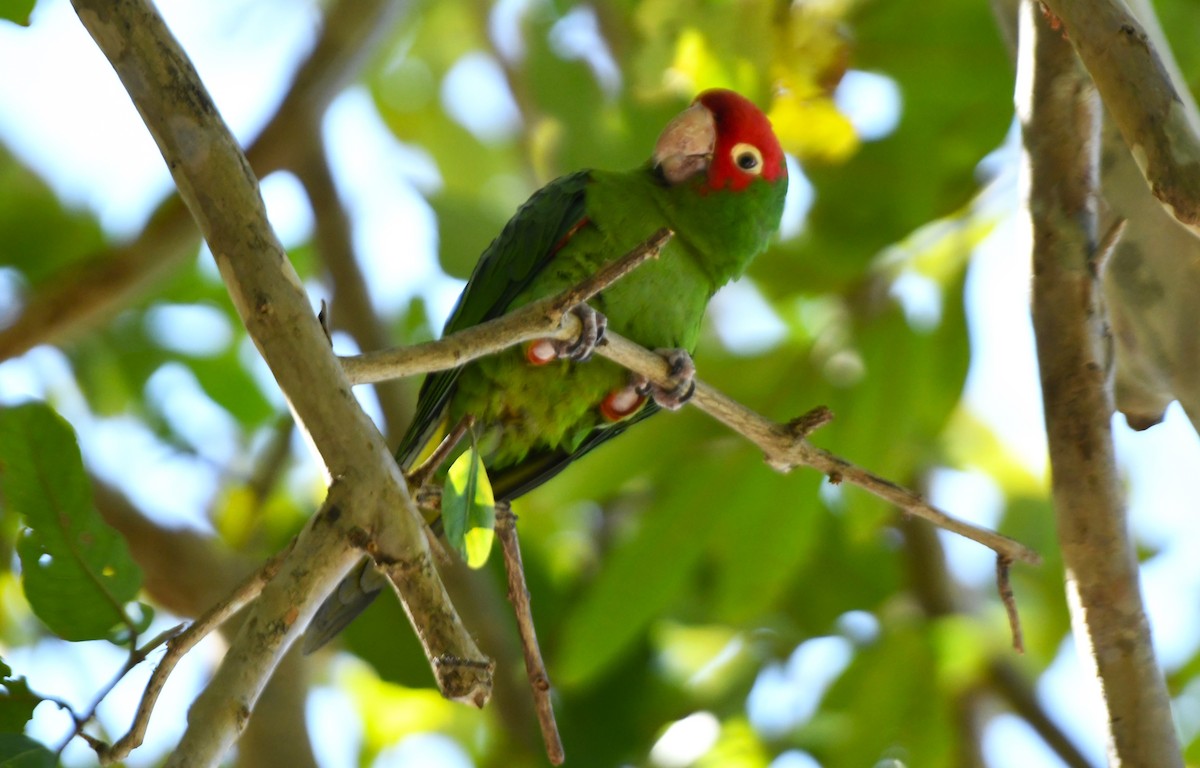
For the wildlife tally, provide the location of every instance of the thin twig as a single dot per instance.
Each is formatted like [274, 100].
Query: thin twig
[539, 319]
[535, 668]
[784, 449]
[419, 476]
[1098, 260]
[1004, 587]
[614, 270]
[136, 656]
[178, 644]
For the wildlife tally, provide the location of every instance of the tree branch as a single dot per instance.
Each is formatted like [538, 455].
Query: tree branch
[105, 281]
[784, 445]
[179, 645]
[189, 573]
[536, 320]
[1154, 120]
[535, 668]
[351, 305]
[1059, 114]
[367, 496]
[1008, 682]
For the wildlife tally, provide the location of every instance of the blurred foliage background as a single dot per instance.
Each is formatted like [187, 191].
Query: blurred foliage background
[695, 607]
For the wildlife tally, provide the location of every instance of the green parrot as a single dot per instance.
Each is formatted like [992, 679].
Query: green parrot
[717, 178]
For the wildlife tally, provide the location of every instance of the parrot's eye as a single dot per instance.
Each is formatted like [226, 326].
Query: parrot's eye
[748, 158]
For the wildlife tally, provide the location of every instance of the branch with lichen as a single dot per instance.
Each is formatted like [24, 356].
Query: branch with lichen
[1156, 122]
[367, 499]
[1060, 120]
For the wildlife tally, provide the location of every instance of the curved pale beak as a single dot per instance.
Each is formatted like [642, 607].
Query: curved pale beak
[685, 146]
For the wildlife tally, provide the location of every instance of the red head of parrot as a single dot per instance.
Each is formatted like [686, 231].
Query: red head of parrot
[725, 135]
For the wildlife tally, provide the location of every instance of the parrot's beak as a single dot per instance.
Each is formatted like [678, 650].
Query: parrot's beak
[685, 146]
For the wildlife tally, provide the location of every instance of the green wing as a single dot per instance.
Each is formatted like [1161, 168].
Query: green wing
[522, 249]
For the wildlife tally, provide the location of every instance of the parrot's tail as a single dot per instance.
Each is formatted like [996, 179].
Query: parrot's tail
[352, 596]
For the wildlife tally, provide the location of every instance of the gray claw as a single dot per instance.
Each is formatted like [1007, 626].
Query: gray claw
[592, 327]
[683, 381]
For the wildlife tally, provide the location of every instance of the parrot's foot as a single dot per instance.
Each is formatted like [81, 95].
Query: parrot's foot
[681, 387]
[592, 325]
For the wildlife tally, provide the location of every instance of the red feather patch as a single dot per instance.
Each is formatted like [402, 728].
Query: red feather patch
[738, 121]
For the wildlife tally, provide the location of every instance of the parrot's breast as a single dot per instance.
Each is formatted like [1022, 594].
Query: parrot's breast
[521, 408]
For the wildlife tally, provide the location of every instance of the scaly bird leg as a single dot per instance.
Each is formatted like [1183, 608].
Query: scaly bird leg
[579, 350]
[679, 390]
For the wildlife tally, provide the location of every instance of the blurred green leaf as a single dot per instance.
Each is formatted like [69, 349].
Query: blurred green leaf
[16, 701]
[466, 226]
[76, 570]
[760, 544]
[642, 575]
[891, 706]
[17, 11]
[39, 234]
[17, 751]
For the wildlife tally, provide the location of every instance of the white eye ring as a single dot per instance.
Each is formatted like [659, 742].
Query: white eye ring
[747, 158]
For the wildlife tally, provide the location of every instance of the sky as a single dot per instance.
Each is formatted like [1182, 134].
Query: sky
[68, 118]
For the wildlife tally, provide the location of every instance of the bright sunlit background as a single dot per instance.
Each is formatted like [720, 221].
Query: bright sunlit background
[63, 112]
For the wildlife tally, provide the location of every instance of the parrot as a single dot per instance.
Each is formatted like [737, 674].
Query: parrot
[717, 179]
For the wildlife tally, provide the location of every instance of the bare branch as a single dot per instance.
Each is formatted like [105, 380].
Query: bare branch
[785, 447]
[178, 645]
[536, 320]
[367, 494]
[352, 309]
[102, 283]
[1153, 119]
[1059, 113]
[535, 668]
[1004, 587]
[421, 474]
[188, 572]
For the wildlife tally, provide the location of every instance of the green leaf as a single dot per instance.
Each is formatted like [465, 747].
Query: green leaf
[469, 508]
[76, 570]
[17, 11]
[888, 704]
[17, 751]
[16, 701]
[466, 224]
[644, 574]
[41, 236]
